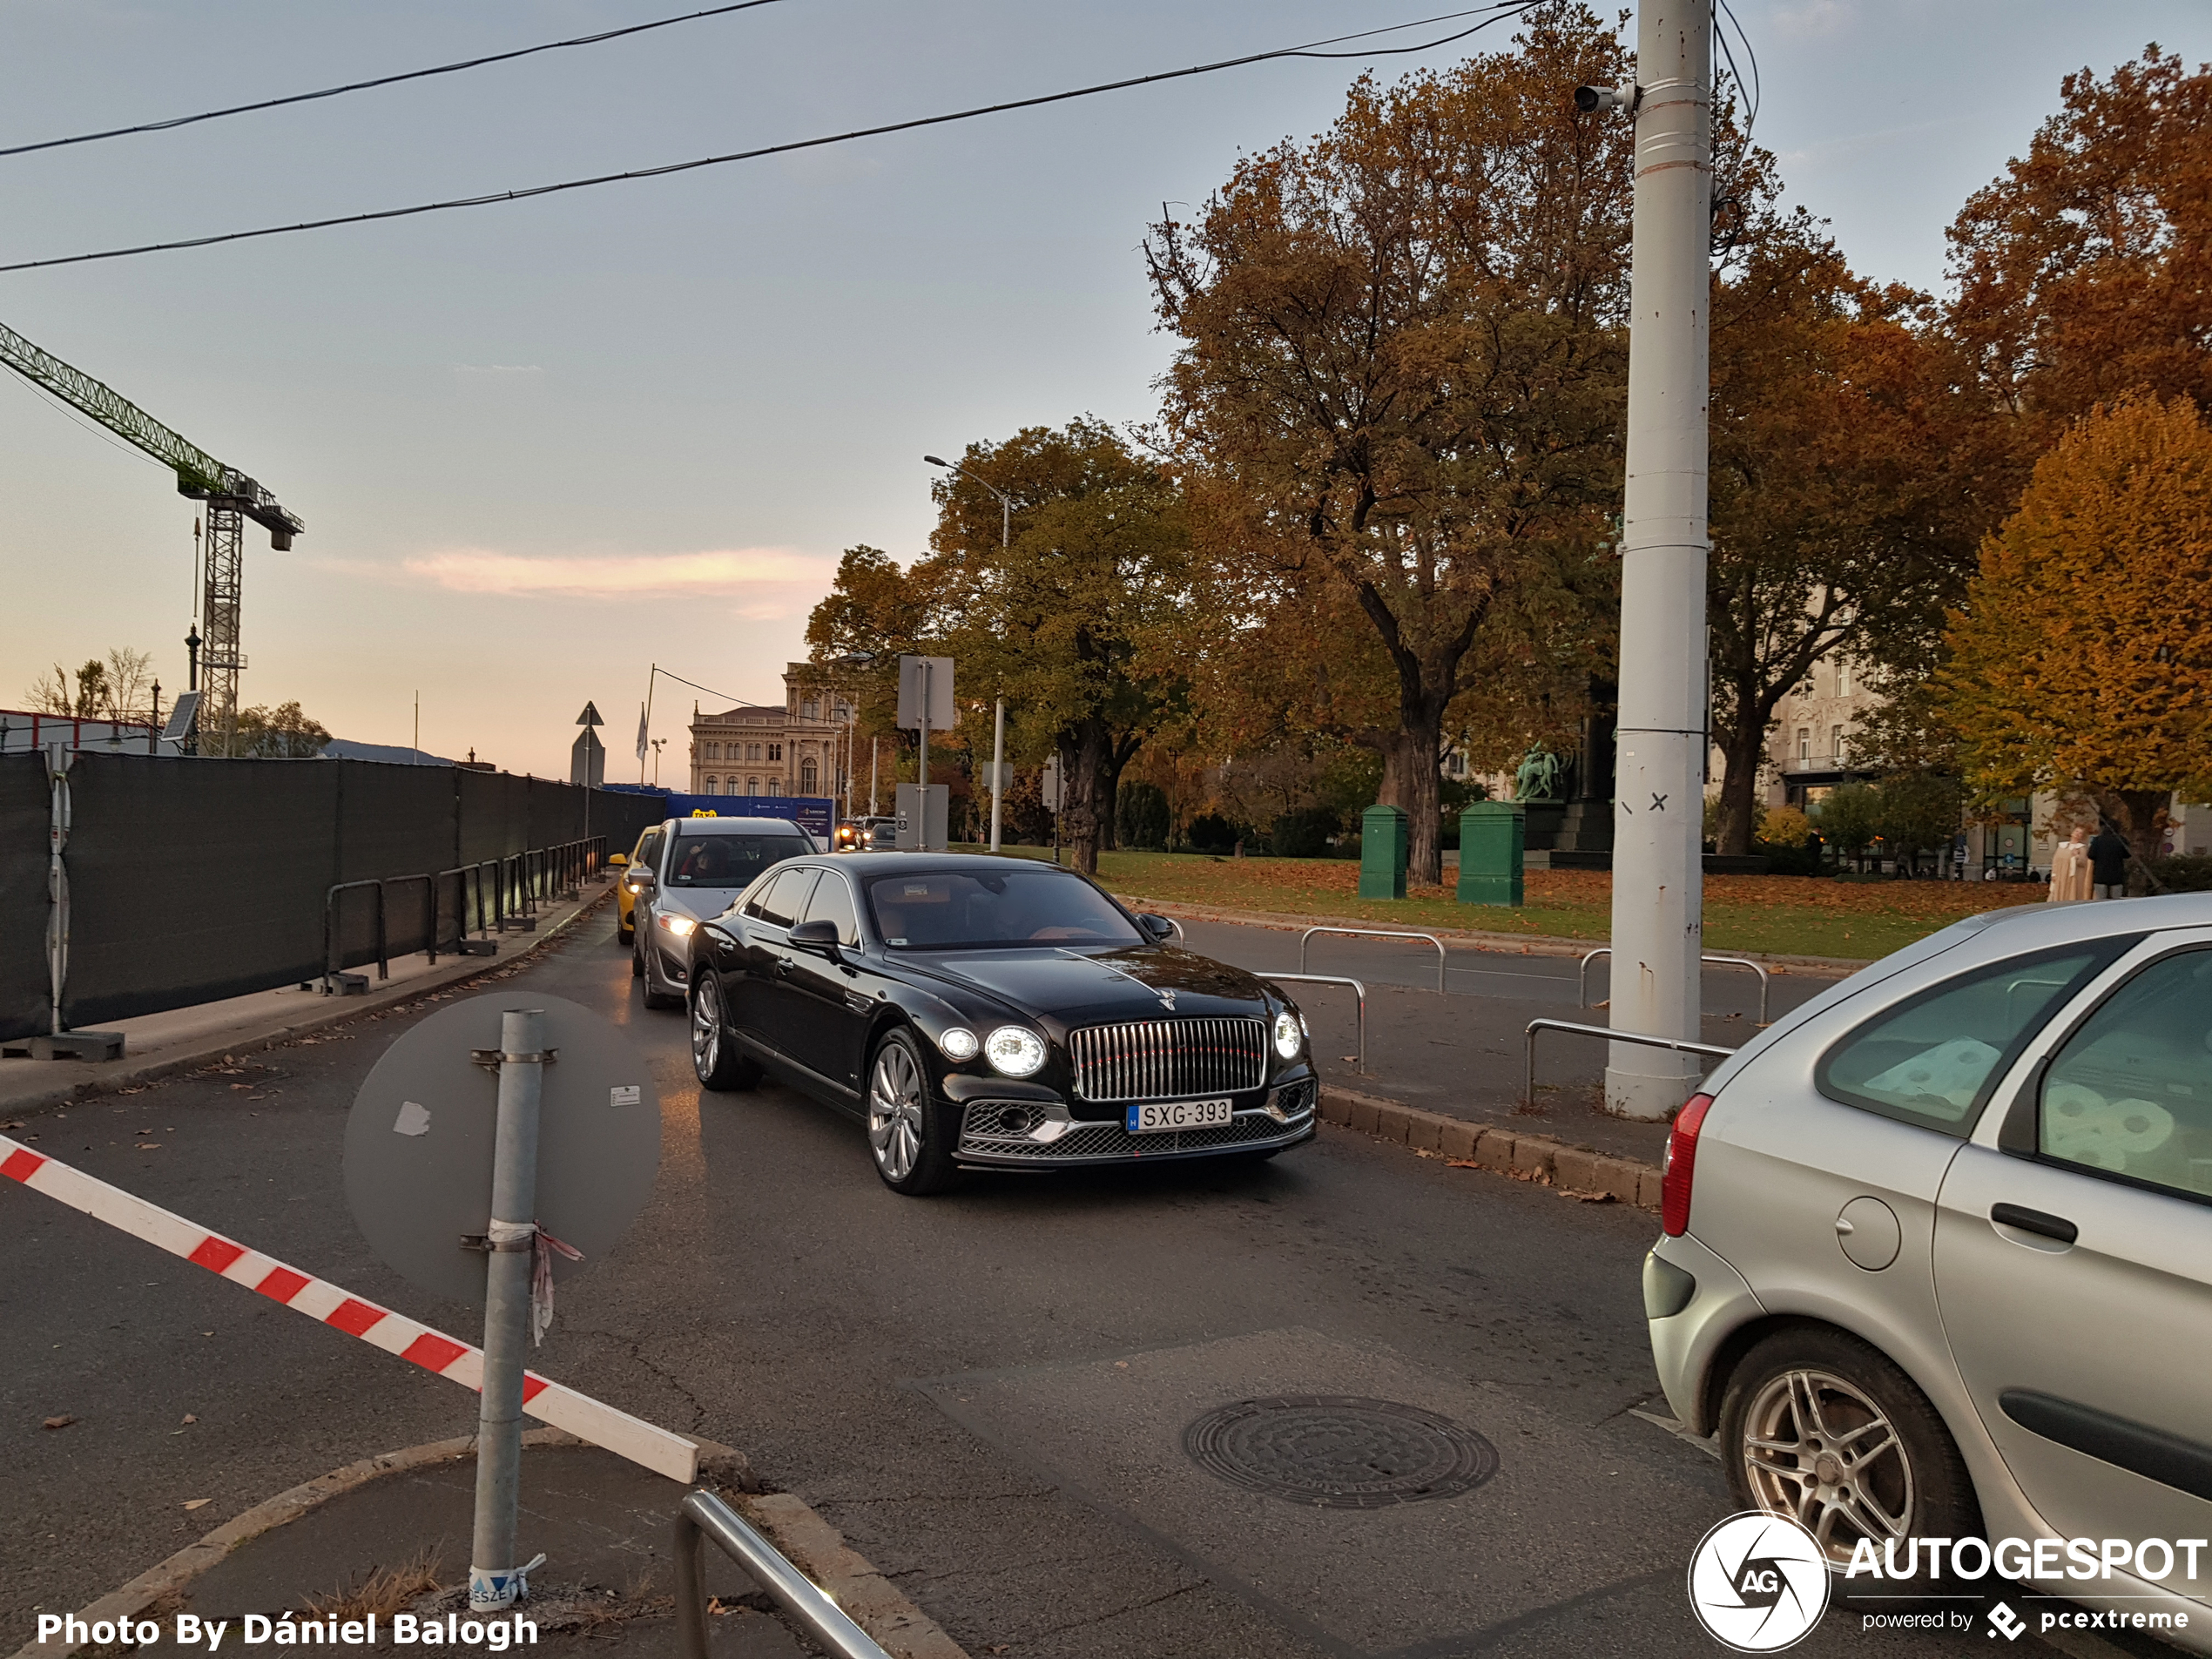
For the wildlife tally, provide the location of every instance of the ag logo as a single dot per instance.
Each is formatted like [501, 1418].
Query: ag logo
[1758, 1582]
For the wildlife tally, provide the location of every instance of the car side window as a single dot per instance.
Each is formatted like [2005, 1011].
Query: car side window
[648, 848]
[785, 898]
[832, 901]
[2130, 1093]
[1933, 1059]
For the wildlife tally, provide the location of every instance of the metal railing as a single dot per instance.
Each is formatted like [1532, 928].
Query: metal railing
[526, 877]
[1582, 975]
[1575, 1029]
[703, 1515]
[1374, 932]
[1330, 979]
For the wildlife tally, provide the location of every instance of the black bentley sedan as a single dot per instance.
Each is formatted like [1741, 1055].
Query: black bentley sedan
[993, 1013]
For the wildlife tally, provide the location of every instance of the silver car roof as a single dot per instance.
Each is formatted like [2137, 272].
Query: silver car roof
[733, 826]
[1990, 936]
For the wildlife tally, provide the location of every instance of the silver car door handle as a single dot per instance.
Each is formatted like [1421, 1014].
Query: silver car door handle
[2035, 1221]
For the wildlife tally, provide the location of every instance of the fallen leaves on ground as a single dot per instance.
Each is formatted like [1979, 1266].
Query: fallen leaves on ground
[58, 1422]
[197, 1503]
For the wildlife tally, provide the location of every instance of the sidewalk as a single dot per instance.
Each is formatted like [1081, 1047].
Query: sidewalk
[392, 1536]
[160, 1045]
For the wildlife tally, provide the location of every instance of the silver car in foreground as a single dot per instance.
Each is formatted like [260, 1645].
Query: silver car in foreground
[1937, 1256]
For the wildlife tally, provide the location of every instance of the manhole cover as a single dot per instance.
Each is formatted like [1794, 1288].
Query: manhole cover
[1336, 1452]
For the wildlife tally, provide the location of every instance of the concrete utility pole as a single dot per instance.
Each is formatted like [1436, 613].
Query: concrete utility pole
[1658, 899]
[998, 769]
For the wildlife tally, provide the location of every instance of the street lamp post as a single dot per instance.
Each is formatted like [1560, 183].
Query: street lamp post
[998, 721]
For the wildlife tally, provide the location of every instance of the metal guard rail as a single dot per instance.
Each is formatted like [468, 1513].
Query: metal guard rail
[703, 1515]
[1375, 933]
[1582, 975]
[1576, 1029]
[1329, 979]
[539, 872]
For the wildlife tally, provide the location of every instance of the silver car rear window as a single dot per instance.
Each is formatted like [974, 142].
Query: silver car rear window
[1933, 1058]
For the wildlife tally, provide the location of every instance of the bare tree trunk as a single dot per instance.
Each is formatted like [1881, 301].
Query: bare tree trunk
[1083, 750]
[1743, 750]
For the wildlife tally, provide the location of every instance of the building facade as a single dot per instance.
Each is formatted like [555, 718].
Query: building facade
[799, 749]
[1809, 750]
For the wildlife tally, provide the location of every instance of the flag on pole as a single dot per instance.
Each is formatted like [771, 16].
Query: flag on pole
[641, 730]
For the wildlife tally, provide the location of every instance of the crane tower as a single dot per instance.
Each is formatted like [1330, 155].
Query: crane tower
[232, 497]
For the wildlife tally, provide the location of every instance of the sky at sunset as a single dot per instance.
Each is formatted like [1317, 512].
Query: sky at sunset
[541, 445]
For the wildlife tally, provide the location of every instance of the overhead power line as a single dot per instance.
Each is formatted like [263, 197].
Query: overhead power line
[382, 80]
[1490, 14]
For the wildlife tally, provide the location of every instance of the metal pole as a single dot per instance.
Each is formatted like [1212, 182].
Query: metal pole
[921, 795]
[652, 674]
[58, 762]
[495, 1578]
[875, 745]
[1657, 881]
[998, 769]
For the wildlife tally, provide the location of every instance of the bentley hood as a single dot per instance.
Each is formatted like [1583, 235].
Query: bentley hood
[1081, 988]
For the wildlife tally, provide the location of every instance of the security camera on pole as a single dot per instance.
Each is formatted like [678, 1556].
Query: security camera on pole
[924, 700]
[1658, 900]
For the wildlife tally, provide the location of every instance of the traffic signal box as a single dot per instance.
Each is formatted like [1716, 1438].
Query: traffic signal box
[1385, 846]
[1493, 834]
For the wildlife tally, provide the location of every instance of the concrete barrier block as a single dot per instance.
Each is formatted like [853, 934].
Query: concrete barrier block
[1423, 1130]
[1360, 1115]
[1648, 1184]
[1493, 1148]
[1618, 1177]
[1335, 1109]
[1456, 1140]
[1393, 1120]
[1576, 1167]
[1534, 1154]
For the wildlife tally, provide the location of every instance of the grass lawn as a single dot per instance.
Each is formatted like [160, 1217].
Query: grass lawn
[1788, 915]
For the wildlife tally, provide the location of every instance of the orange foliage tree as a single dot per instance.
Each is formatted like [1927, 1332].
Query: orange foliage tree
[2083, 657]
[1397, 399]
[2086, 272]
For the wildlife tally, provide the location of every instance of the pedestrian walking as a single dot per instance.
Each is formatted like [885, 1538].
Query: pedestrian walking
[2070, 869]
[2108, 866]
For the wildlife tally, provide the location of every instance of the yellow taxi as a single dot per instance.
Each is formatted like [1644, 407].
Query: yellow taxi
[625, 889]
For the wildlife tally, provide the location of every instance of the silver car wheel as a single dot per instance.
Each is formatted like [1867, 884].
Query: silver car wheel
[1818, 1449]
[707, 1027]
[894, 1110]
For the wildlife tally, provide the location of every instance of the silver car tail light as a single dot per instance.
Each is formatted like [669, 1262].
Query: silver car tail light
[1680, 1166]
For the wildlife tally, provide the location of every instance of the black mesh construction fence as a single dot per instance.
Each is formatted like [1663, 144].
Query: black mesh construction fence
[192, 879]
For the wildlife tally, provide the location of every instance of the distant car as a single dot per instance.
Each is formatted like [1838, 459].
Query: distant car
[993, 1013]
[628, 885]
[866, 834]
[695, 870]
[1937, 1251]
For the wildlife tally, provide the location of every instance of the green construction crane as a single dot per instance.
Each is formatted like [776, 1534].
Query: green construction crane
[230, 498]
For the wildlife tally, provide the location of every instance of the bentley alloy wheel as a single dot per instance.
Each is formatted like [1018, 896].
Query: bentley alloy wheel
[910, 1154]
[715, 1059]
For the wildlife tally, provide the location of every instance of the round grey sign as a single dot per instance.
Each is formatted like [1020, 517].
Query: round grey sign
[419, 1143]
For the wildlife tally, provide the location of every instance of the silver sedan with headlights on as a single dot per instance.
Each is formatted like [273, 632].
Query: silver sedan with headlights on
[1937, 1261]
[695, 868]
[993, 1013]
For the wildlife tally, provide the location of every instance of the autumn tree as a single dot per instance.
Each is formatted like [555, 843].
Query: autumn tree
[119, 688]
[2082, 659]
[1069, 623]
[285, 733]
[1398, 394]
[2086, 272]
[1851, 476]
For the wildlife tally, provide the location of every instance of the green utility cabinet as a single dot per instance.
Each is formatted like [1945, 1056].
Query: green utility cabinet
[1386, 846]
[1492, 835]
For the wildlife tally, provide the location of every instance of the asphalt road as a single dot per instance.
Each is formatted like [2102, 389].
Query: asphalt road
[986, 1391]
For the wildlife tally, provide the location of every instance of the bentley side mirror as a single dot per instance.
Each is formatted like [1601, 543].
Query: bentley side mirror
[1159, 928]
[820, 934]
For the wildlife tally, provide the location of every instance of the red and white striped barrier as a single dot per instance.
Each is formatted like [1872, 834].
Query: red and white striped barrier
[587, 1419]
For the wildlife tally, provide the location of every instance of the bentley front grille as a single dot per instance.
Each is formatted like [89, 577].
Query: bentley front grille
[1169, 1059]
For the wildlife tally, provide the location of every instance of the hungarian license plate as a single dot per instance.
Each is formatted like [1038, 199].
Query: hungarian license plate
[1158, 1118]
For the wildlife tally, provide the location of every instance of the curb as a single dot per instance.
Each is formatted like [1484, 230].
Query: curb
[1508, 944]
[811, 1543]
[253, 1039]
[1579, 1171]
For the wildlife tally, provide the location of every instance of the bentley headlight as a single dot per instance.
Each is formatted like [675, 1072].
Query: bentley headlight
[1287, 1034]
[680, 926]
[1014, 1050]
[961, 1043]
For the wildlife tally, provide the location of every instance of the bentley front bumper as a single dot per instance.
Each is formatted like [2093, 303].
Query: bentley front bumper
[1031, 1135]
